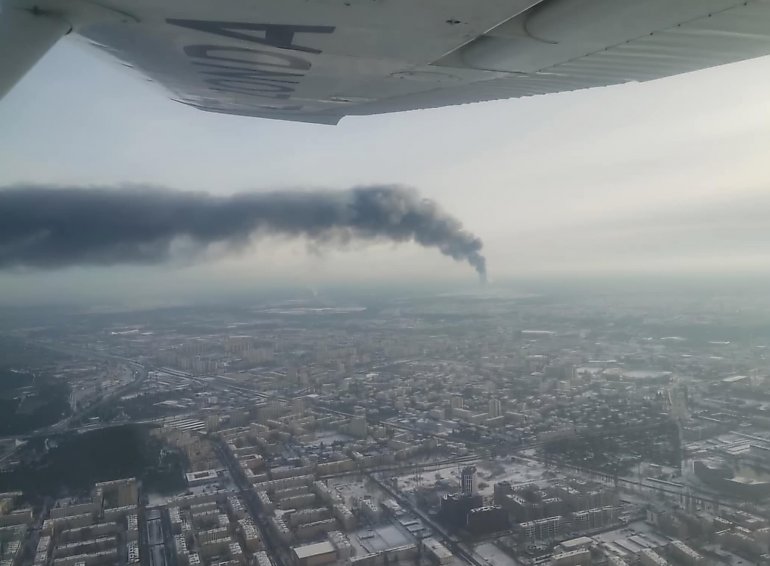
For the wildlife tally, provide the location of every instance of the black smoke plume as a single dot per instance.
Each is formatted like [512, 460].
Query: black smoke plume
[51, 227]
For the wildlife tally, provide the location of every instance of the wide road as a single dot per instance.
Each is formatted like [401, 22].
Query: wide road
[246, 490]
[155, 540]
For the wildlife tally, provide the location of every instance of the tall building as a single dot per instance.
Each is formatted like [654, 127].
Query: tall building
[483, 520]
[116, 493]
[547, 528]
[456, 506]
[456, 402]
[358, 425]
[495, 408]
[468, 477]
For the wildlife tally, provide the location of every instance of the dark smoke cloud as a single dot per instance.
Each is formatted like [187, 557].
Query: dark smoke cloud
[50, 227]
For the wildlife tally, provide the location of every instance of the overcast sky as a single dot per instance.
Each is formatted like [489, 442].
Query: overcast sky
[667, 176]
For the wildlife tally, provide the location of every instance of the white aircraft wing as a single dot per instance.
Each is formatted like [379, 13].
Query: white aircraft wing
[321, 60]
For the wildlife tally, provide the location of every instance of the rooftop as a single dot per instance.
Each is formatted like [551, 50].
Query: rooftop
[315, 549]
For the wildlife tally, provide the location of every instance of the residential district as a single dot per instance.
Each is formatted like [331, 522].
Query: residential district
[482, 430]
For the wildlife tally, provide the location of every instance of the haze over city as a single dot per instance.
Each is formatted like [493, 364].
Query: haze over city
[665, 177]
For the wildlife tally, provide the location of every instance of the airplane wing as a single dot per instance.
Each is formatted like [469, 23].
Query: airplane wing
[320, 60]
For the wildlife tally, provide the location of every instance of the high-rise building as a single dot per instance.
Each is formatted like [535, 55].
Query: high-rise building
[358, 426]
[547, 528]
[483, 520]
[116, 493]
[456, 402]
[456, 506]
[468, 477]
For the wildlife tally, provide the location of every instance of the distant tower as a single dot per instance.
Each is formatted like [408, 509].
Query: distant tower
[418, 477]
[457, 402]
[468, 476]
[358, 424]
[495, 408]
[677, 398]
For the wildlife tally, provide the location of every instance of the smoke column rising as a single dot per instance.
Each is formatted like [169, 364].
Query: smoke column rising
[52, 227]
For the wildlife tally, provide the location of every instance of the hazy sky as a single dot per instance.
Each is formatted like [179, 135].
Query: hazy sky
[664, 176]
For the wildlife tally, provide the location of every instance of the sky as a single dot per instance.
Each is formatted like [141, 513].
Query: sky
[663, 177]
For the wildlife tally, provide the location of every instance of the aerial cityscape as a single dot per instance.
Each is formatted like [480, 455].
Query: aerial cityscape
[384, 283]
[484, 428]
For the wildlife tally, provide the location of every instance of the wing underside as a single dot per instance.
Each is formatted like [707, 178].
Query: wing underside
[320, 61]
